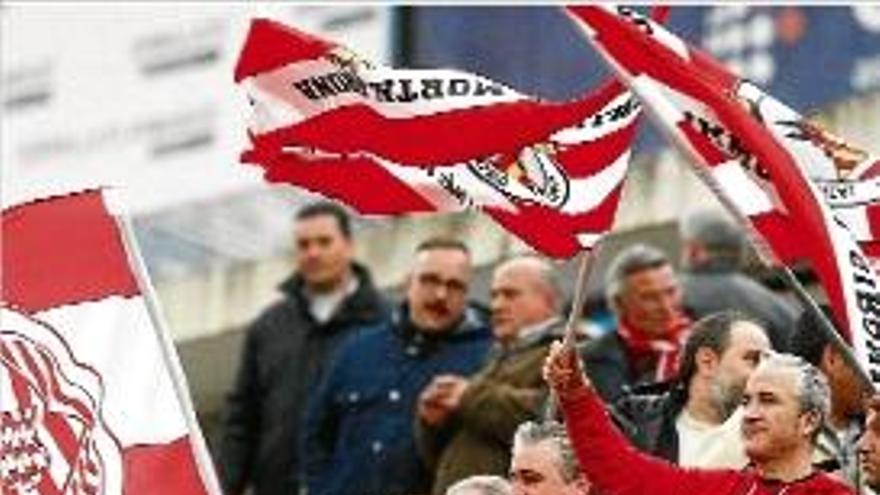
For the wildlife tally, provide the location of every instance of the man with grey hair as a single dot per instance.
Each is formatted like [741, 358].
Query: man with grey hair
[785, 404]
[464, 424]
[481, 484]
[644, 293]
[713, 252]
[544, 461]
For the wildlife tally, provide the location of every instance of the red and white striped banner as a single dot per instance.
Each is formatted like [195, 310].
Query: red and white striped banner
[391, 141]
[753, 170]
[87, 401]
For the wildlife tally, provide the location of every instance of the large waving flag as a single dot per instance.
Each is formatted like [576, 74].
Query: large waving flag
[90, 397]
[847, 175]
[753, 172]
[391, 141]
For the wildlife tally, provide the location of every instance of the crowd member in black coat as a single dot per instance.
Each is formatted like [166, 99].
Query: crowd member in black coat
[713, 252]
[286, 350]
[644, 292]
[690, 420]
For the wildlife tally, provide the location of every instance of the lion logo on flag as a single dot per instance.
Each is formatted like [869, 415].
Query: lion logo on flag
[53, 437]
[844, 155]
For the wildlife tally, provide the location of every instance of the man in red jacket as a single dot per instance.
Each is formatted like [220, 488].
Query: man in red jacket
[785, 402]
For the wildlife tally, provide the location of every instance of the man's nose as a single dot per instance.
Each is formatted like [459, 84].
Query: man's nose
[862, 444]
[517, 489]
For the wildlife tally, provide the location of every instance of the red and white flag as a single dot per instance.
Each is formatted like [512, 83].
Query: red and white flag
[847, 175]
[392, 141]
[91, 400]
[753, 172]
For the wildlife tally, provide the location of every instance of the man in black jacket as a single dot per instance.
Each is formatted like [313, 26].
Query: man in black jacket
[642, 289]
[690, 421]
[286, 349]
[713, 252]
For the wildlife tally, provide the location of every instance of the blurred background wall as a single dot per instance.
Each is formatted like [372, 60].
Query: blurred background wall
[141, 97]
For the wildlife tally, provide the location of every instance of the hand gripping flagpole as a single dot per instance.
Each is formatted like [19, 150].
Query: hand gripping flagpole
[169, 355]
[569, 339]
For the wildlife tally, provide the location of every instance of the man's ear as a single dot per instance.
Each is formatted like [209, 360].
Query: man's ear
[582, 484]
[828, 359]
[812, 422]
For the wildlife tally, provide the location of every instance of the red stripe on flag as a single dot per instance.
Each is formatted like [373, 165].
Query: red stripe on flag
[169, 469]
[33, 369]
[585, 159]
[47, 486]
[446, 137]
[63, 435]
[872, 212]
[703, 145]
[532, 222]
[20, 386]
[271, 45]
[359, 182]
[61, 251]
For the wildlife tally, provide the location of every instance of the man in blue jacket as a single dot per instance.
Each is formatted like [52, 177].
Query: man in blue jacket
[358, 429]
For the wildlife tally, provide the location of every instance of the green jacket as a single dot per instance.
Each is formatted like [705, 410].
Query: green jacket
[506, 392]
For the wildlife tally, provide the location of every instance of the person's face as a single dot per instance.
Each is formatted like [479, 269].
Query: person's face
[869, 450]
[534, 470]
[437, 288]
[773, 425]
[846, 386]
[651, 299]
[323, 253]
[520, 297]
[747, 344]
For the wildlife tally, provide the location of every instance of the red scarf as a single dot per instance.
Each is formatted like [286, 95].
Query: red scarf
[663, 350]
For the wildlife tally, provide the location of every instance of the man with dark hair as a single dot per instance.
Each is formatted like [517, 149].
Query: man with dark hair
[644, 293]
[836, 448]
[713, 253]
[784, 405]
[358, 436]
[285, 350]
[694, 422]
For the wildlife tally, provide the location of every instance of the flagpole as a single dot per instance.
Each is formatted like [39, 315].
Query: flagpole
[762, 249]
[766, 255]
[658, 107]
[580, 294]
[199, 448]
[569, 339]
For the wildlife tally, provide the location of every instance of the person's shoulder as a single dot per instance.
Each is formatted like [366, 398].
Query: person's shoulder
[648, 401]
[822, 483]
[366, 339]
[600, 347]
[281, 314]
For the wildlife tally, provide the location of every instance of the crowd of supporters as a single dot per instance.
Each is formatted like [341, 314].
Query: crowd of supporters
[709, 383]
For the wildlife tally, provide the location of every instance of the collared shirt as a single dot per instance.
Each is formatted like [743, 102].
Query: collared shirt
[322, 306]
[534, 333]
[706, 445]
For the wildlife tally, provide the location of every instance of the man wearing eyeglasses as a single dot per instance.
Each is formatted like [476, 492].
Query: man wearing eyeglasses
[466, 424]
[358, 436]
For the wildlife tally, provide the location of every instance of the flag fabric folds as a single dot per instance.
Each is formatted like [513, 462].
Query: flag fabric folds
[87, 401]
[753, 170]
[392, 141]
